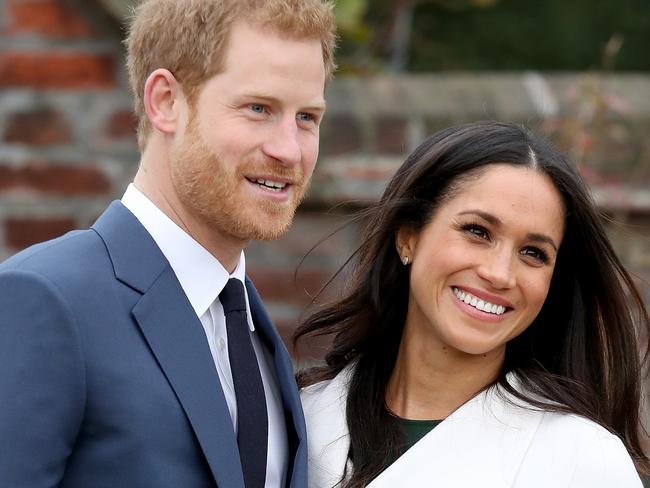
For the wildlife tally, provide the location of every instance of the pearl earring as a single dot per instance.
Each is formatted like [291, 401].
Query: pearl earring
[405, 260]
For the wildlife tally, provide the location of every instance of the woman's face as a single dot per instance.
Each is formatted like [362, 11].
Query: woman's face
[482, 266]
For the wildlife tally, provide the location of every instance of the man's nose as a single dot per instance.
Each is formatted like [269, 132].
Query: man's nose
[283, 144]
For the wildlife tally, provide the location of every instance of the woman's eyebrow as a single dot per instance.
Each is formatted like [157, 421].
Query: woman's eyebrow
[542, 238]
[494, 220]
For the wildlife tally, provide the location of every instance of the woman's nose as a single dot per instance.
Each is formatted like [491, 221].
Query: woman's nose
[498, 269]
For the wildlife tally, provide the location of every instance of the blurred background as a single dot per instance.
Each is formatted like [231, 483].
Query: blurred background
[578, 71]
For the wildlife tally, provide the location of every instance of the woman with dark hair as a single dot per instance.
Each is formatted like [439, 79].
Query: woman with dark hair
[489, 335]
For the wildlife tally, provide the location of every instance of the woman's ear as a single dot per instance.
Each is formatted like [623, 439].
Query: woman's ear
[405, 242]
[162, 93]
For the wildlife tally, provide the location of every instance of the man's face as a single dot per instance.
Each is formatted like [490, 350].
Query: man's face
[243, 162]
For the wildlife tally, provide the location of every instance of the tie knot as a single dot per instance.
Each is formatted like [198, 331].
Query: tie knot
[232, 296]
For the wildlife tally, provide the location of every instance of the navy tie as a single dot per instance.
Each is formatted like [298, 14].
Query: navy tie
[252, 421]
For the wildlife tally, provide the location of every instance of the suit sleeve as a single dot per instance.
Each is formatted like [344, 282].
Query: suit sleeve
[42, 381]
[605, 463]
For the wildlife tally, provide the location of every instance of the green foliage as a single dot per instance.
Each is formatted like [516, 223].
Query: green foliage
[545, 35]
[354, 54]
[528, 34]
[350, 13]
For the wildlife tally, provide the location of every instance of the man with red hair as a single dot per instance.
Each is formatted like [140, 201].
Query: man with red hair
[137, 353]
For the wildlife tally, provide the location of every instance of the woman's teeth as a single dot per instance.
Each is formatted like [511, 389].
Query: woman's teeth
[478, 303]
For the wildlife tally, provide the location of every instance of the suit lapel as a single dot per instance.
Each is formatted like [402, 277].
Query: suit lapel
[176, 338]
[178, 341]
[287, 385]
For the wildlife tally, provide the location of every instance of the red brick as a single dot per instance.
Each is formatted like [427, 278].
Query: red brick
[309, 349]
[68, 71]
[286, 329]
[23, 232]
[307, 230]
[122, 125]
[279, 285]
[341, 134]
[39, 128]
[50, 18]
[56, 180]
[391, 135]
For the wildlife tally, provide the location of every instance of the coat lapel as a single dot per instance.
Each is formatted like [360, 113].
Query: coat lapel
[176, 338]
[288, 388]
[484, 441]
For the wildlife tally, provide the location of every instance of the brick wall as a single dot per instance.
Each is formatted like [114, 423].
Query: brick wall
[67, 144]
[66, 129]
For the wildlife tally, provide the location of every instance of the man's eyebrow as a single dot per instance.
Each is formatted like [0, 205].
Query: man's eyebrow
[319, 105]
[494, 220]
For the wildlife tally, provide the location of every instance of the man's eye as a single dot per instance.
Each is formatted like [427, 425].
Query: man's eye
[305, 117]
[257, 108]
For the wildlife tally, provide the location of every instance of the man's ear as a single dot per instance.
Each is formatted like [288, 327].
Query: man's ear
[406, 239]
[162, 94]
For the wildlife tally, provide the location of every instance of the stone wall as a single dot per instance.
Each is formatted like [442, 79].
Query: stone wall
[67, 144]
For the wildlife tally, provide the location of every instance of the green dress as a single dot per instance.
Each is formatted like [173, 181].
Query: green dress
[414, 430]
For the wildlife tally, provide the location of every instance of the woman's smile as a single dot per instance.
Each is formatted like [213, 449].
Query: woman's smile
[480, 302]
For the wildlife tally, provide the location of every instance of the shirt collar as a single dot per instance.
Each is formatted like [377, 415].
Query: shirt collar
[200, 274]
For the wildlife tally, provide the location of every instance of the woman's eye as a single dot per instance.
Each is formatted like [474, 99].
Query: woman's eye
[535, 253]
[476, 231]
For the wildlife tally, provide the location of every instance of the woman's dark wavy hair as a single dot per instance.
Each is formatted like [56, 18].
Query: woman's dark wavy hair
[582, 354]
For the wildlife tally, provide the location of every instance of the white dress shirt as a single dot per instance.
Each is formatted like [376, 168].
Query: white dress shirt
[202, 278]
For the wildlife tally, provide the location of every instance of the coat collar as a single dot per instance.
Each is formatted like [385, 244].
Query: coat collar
[137, 260]
[489, 429]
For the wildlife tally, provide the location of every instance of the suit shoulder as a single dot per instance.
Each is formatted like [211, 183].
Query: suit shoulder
[75, 256]
[72, 241]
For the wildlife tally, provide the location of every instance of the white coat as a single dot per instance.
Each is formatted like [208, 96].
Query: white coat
[487, 442]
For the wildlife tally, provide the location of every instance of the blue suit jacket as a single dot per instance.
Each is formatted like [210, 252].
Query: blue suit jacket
[106, 377]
